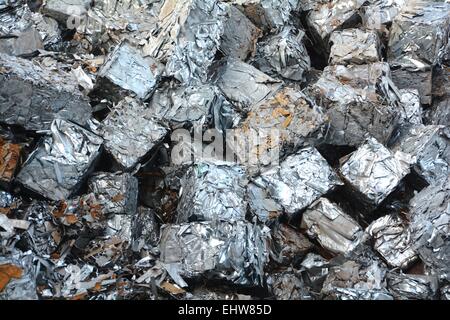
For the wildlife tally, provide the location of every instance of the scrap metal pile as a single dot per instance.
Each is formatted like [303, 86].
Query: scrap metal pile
[94, 206]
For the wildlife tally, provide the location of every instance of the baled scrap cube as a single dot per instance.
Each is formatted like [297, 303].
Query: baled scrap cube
[239, 36]
[126, 72]
[288, 285]
[283, 55]
[353, 280]
[189, 37]
[354, 46]
[32, 96]
[268, 14]
[213, 191]
[131, 132]
[289, 246]
[329, 16]
[445, 292]
[17, 277]
[421, 32]
[65, 10]
[335, 230]
[360, 99]
[411, 107]
[184, 106]
[373, 171]
[392, 240]
[439, 113]
[378, 14]
[290, 116]
[244, 85]
[412, 76]
[145, 229]
[293, 185]
[430, 145]
[57, 167]
[117, 193]
[430, 226]
[412, 286]
[10, 154]
[235, 251]
[21, 42]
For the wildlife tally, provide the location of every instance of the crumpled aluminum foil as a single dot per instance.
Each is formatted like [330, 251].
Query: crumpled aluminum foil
[430, 226]
[297, 182]
[126, 72]
[373, 171]
[430, 145]
[18, 277]
[6, 199]
[283, 55]
[360, 99]
[145, 229]
[392, 240]
[288, 286]
[57, 167]
[353, 280]
[291, 116]
[412, 287]
[117, 193]
[196, 106]
[354, 46]
[314, 269]
[335, 230]
[244, 85]
[327, 16]
[33, 96]
[268, 15]
[234, 251]
[131, 132]
[213, 191]
[189, 37]
[288, 245]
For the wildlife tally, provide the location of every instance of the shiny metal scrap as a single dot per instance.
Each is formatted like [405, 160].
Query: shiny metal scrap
[283, 55]
[65, 10]
[213, 191]
[333, 228]
[117, 193]
[412, 286]
[392, 240]
[293, 185]
[57, 167]
[233, 251]
[374, 171]
[145, 229]
[131, 132]
[32, 96]
[354, 46]
[20, 275]
[288, 285]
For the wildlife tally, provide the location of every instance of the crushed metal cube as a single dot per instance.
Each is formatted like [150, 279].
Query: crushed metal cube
[353, 46]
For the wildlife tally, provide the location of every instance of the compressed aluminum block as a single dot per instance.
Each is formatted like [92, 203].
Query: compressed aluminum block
[411, 77]
[181, 106]
[283, 55]
[21, 43]
[439, 113]
[412, 286]
[430, 145]
[430, 226]
[64, 10]
[373, 171]
[213, 191]
[10, 154]
[234, 251]
[289, 246]
[117, 193]
[392, 240]
[421, 32]
[354, 46]
[239, 36]
[32, 96]
[131, 132]
[335, 230]
[294, 119]
[378, 14]
[145, 229]
[328, 16]
[244, 85]
[360, 99]
[293, 185]
[57, 167]
[412, 111]
[126, 72]
[268, 14]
